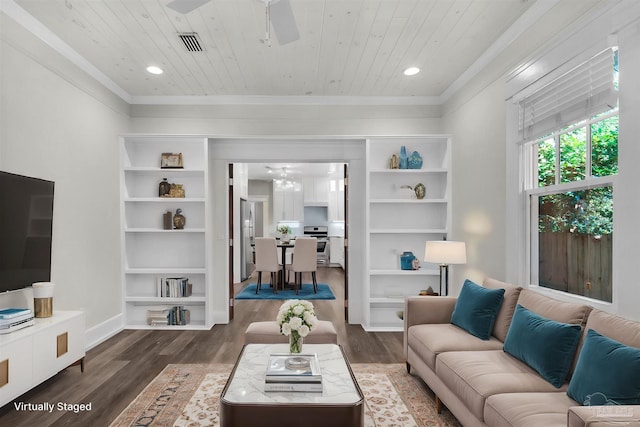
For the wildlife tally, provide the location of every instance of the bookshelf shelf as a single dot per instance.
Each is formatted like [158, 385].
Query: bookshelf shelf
[398, 221]
[150, 252]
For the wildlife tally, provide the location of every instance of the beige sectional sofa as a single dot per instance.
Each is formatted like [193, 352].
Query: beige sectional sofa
[483, 385]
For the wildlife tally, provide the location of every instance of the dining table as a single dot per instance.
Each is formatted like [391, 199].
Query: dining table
[284, 246]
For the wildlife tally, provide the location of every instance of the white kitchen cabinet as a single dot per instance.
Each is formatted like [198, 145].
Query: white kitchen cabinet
[336, 199]
[336, 251]
[316, 190]
[288, 202]
[152, 252]
[397, 221]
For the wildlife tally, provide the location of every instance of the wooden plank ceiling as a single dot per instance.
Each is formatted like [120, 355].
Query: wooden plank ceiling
[346, 47]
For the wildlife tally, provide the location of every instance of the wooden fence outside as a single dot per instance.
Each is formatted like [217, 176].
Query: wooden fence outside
[576, 263]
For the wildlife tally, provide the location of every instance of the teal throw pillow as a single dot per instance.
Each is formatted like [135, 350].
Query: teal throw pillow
[544, 344]
[476, 309]
[608, 372]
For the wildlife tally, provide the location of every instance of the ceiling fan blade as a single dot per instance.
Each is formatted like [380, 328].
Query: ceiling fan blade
[284, 22]
[186, 6]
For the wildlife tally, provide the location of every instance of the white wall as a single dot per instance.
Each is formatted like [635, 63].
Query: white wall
[478, 202]
[60, 125]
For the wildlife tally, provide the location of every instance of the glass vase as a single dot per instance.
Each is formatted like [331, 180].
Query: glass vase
[295, 343]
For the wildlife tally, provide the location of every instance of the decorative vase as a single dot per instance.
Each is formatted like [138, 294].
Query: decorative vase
[164, 188]
[285, 238]
[406, 260]
[295, 342]
[419, 190]
[414, 161]
[179, 220]
[167, 220]
[403, 157]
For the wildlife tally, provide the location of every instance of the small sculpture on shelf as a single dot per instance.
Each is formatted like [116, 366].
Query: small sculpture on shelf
[179, 220]
[176, 191]
[394, 162]
[418, 191]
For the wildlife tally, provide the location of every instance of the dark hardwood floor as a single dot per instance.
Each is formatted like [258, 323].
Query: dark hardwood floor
[118, 369]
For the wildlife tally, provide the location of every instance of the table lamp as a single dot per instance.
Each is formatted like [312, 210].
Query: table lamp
[445, 252]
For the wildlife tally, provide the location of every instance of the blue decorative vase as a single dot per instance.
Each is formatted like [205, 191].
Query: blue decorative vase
[406, 260]
[415, 161]
[403, 157]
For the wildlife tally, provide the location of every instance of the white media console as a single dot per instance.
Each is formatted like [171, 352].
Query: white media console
[34, 354]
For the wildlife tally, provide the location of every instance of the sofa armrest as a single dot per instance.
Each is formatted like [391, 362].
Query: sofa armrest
[604, 416]
[420, 310]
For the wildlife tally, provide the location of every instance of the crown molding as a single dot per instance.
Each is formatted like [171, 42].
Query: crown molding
[31, 24]
[285, 100]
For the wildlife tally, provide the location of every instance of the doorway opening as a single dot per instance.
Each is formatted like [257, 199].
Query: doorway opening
[311, 199]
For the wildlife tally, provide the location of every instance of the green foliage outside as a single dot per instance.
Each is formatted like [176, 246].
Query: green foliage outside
[585, 211]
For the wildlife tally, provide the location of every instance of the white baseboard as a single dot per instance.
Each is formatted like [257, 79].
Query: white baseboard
[103, 331]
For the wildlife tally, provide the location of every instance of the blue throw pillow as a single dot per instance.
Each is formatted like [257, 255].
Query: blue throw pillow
[545, 345]
[608, 372]
[476, 309]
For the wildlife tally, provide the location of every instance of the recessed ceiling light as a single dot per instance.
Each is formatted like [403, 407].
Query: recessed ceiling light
[154, 70]
[411, 71]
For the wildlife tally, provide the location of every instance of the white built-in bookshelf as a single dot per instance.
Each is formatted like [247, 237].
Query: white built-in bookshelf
[397, 221]
[151, 252]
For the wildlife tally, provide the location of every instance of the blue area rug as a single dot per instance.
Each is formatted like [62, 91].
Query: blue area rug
[306, 292]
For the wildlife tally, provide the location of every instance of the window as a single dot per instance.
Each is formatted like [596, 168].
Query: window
[569, 186]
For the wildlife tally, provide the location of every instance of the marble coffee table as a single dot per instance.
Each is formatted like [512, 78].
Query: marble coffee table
[245, 403]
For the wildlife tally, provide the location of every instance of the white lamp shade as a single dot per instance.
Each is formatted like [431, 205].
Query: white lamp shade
[445, 252]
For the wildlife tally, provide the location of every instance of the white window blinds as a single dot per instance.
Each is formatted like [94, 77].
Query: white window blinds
[585, 91]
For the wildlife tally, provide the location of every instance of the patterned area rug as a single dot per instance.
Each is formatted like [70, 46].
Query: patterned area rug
[188, 395]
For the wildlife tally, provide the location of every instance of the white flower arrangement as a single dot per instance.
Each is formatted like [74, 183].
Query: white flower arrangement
[284, 229]
[296, 318]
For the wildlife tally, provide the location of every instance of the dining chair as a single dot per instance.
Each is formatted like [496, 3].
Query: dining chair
[267, 260]
[305, 252]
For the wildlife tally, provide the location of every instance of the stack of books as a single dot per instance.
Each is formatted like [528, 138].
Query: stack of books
[174, 287]
[287, 372]
[157, 317]
[12, 319]
[179, 316]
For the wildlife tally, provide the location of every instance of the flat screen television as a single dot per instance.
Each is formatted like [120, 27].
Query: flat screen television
[26, 224]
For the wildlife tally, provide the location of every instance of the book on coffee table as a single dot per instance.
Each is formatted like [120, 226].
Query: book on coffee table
[287, 372]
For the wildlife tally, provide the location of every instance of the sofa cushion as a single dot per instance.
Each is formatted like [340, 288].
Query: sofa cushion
[528, 409]
[476, 309]
[430, 340]
[560, 311]
[615, 327]
[475, 375]
[608, 372]
[545, 345]
[503, 319]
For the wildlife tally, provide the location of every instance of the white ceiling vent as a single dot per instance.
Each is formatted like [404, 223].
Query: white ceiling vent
[191, 42]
